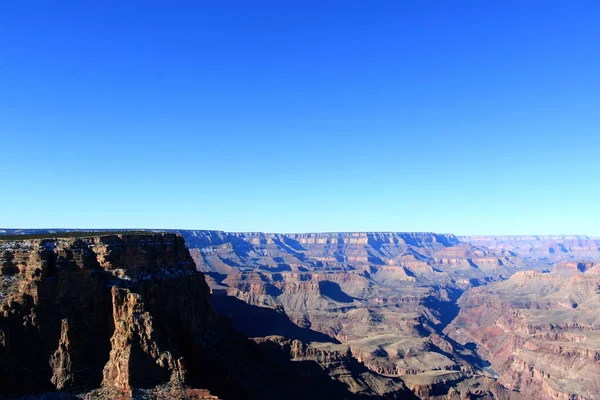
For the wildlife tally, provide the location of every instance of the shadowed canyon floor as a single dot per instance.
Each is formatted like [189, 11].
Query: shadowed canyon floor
[359, 315]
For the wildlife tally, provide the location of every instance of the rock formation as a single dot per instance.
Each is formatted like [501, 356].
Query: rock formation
[110, 310]
[541, 331]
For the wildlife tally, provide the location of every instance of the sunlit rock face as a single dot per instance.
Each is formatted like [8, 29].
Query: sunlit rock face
[541, 331]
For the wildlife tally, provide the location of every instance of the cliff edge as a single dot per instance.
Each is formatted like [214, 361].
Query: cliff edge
[82, 312]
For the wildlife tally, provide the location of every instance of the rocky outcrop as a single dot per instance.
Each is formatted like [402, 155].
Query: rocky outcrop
[339, 363]
[135, 357]
[106, 310]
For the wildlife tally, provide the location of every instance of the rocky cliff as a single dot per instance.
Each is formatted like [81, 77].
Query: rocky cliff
[115, 310]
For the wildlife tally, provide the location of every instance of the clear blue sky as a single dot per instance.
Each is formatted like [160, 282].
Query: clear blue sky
[471, 117]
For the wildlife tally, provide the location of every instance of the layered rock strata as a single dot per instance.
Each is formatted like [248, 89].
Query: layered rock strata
[116, 310]
[386, 296]
[541, 331]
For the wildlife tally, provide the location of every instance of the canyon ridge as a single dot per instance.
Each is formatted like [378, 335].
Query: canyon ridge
[211, 314]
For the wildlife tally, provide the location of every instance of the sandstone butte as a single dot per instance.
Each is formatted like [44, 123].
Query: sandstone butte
[209, 314]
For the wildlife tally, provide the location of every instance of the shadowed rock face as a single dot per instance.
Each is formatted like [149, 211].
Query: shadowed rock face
[81, 312]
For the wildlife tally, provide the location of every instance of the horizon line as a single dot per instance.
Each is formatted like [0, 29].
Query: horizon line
[310, 232]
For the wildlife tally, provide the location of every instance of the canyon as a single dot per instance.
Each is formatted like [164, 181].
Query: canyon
[129, 316]
[541, 331]
[212, 314]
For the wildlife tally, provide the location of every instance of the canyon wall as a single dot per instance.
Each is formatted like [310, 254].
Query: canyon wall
[541, 331]
[541, 250]
[116, 310]
[386, 296]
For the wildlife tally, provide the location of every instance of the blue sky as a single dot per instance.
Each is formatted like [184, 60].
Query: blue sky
[470, 117]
